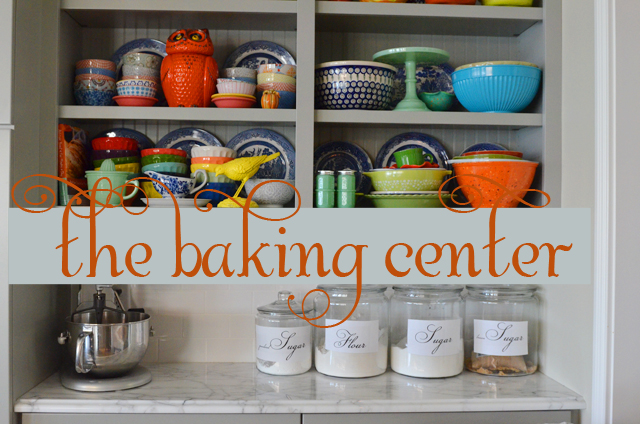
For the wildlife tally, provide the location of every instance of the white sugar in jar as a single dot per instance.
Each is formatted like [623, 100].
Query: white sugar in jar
[283, 341]
[358, 347]
[426, 330]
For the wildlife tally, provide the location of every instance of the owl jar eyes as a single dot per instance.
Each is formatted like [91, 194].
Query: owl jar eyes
[195, 41]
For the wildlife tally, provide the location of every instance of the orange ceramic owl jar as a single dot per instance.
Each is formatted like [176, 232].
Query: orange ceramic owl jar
[189, 72]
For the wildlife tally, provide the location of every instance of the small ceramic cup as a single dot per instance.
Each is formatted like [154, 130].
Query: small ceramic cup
[409, 157]
[118, 180]
[179, 186]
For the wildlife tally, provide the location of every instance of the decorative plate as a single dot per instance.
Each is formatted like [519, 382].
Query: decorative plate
[260, 142]
[431, 79]
[143, 141]
[154, 202]
[141, 45]
[186, 138]
[255, 53]
[480, 147]
[338, 156]
[410, 140]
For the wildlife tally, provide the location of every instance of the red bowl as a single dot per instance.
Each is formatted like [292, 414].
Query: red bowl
[233, 102]
[156, 151]
[494, 152]
[114, 143]
[210, 159]
[139, 101]
[110, 154]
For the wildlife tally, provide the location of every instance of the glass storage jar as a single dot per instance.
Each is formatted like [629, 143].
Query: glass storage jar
[426, 330]
[283, 341]
[501, 330]
[357, 347]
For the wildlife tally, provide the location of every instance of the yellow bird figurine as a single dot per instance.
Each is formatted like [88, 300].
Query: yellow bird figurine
[242, 169]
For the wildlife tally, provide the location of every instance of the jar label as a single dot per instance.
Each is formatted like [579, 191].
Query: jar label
[283, 344]
[434, 338]
[501, 338]
[352, 336]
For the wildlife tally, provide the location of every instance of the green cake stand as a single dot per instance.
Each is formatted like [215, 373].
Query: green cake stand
[409, 57]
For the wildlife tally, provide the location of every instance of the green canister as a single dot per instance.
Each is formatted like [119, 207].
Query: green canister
[325, 189]
[347, 189]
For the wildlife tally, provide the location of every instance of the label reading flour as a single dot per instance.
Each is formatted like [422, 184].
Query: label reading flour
[352, 336]
[434, 338]
[501, 338]
[283, 344]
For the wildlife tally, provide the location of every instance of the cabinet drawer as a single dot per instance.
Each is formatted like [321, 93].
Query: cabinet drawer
[529, 417]
[161, 418]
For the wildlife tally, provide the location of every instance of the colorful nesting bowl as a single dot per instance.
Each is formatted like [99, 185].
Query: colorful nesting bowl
[229, 86]
[234, 101]
[131, 168]
[277, 86]
[273, 68]
[213, 160]
[144, 60]
[496, 88]
[96, 63]
[407, 179]
[98, 71]
[97, 163]
[167, 167]
[159, 151]
[129, 70]
[212, 151]
[110, 154]
[149, 159]
[240, 73]
[138, 90]
[274, 77]
[114, 143]
[354, 85]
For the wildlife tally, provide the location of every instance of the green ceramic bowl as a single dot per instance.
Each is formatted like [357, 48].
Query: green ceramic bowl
[407, 179]
[147, 160]
[408, 200]
[438, 102]
[117, 161]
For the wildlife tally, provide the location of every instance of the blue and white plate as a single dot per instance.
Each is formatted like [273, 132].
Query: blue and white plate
[431, 79]
[256, 53]
[260, 142]
[141, 45]
[143, 141]
[410, 140]
[481, 147]
[339, 156]
[186, 138]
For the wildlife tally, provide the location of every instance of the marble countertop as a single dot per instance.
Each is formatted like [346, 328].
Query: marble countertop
[232, 388]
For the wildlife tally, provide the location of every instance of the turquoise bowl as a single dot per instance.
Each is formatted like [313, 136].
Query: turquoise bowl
[438, 102]
[164, 167]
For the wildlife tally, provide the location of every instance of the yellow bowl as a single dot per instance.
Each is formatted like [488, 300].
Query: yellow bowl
[209, 167]
[147, 187]
[244, 96]
[132, 168]
[265, 78]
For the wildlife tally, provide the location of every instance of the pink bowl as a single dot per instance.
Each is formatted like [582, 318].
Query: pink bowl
[233, 102]
[135, 101]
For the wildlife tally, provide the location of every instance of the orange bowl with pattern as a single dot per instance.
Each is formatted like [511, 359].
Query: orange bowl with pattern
[516, 175]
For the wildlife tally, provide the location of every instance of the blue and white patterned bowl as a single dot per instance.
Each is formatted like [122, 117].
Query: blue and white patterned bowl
[180, 187]
[138, 83]
[140, 91]
[90, 97]
[354, 85]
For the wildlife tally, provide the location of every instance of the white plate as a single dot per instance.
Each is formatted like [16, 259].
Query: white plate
[168, 203]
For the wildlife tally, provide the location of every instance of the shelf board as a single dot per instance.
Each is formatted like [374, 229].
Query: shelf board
[390, 18]
[278, 116]
[460, 119]
[219, 14]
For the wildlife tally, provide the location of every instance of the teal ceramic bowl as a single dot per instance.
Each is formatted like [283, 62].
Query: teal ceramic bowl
[438, 102]
[164, 167]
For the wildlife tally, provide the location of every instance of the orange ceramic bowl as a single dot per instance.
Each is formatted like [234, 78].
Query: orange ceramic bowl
[210, 159]
[516, 176]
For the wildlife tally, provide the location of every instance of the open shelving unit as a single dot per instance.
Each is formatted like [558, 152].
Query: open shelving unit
[328, 30]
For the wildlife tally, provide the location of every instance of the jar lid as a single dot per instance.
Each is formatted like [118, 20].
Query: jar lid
[501, 289]
[281, 306]
[430, 288]
[366, 288]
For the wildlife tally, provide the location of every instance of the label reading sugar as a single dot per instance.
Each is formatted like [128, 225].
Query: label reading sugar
[501, 338]
[283, 344]
[434, 338]
[352, 336]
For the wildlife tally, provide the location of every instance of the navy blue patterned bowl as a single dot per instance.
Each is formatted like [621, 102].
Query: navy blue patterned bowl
[94, 97]
[354, 85]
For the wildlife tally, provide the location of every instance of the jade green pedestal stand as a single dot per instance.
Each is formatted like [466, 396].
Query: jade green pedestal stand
[410, 56]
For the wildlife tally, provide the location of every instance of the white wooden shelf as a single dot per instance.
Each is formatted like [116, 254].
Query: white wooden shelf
[215, 14]
[403, 18]
[277, 116]
[463, 119]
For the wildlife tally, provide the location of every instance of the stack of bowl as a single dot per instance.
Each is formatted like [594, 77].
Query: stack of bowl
[504, 167]
[281, 79]
[123, 152]
[237, 89]
[208, 158]
[501, 87]
[164, 165]
[95, 82]
[140, 82]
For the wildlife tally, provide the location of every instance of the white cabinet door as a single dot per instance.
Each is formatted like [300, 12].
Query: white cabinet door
[161, 418]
